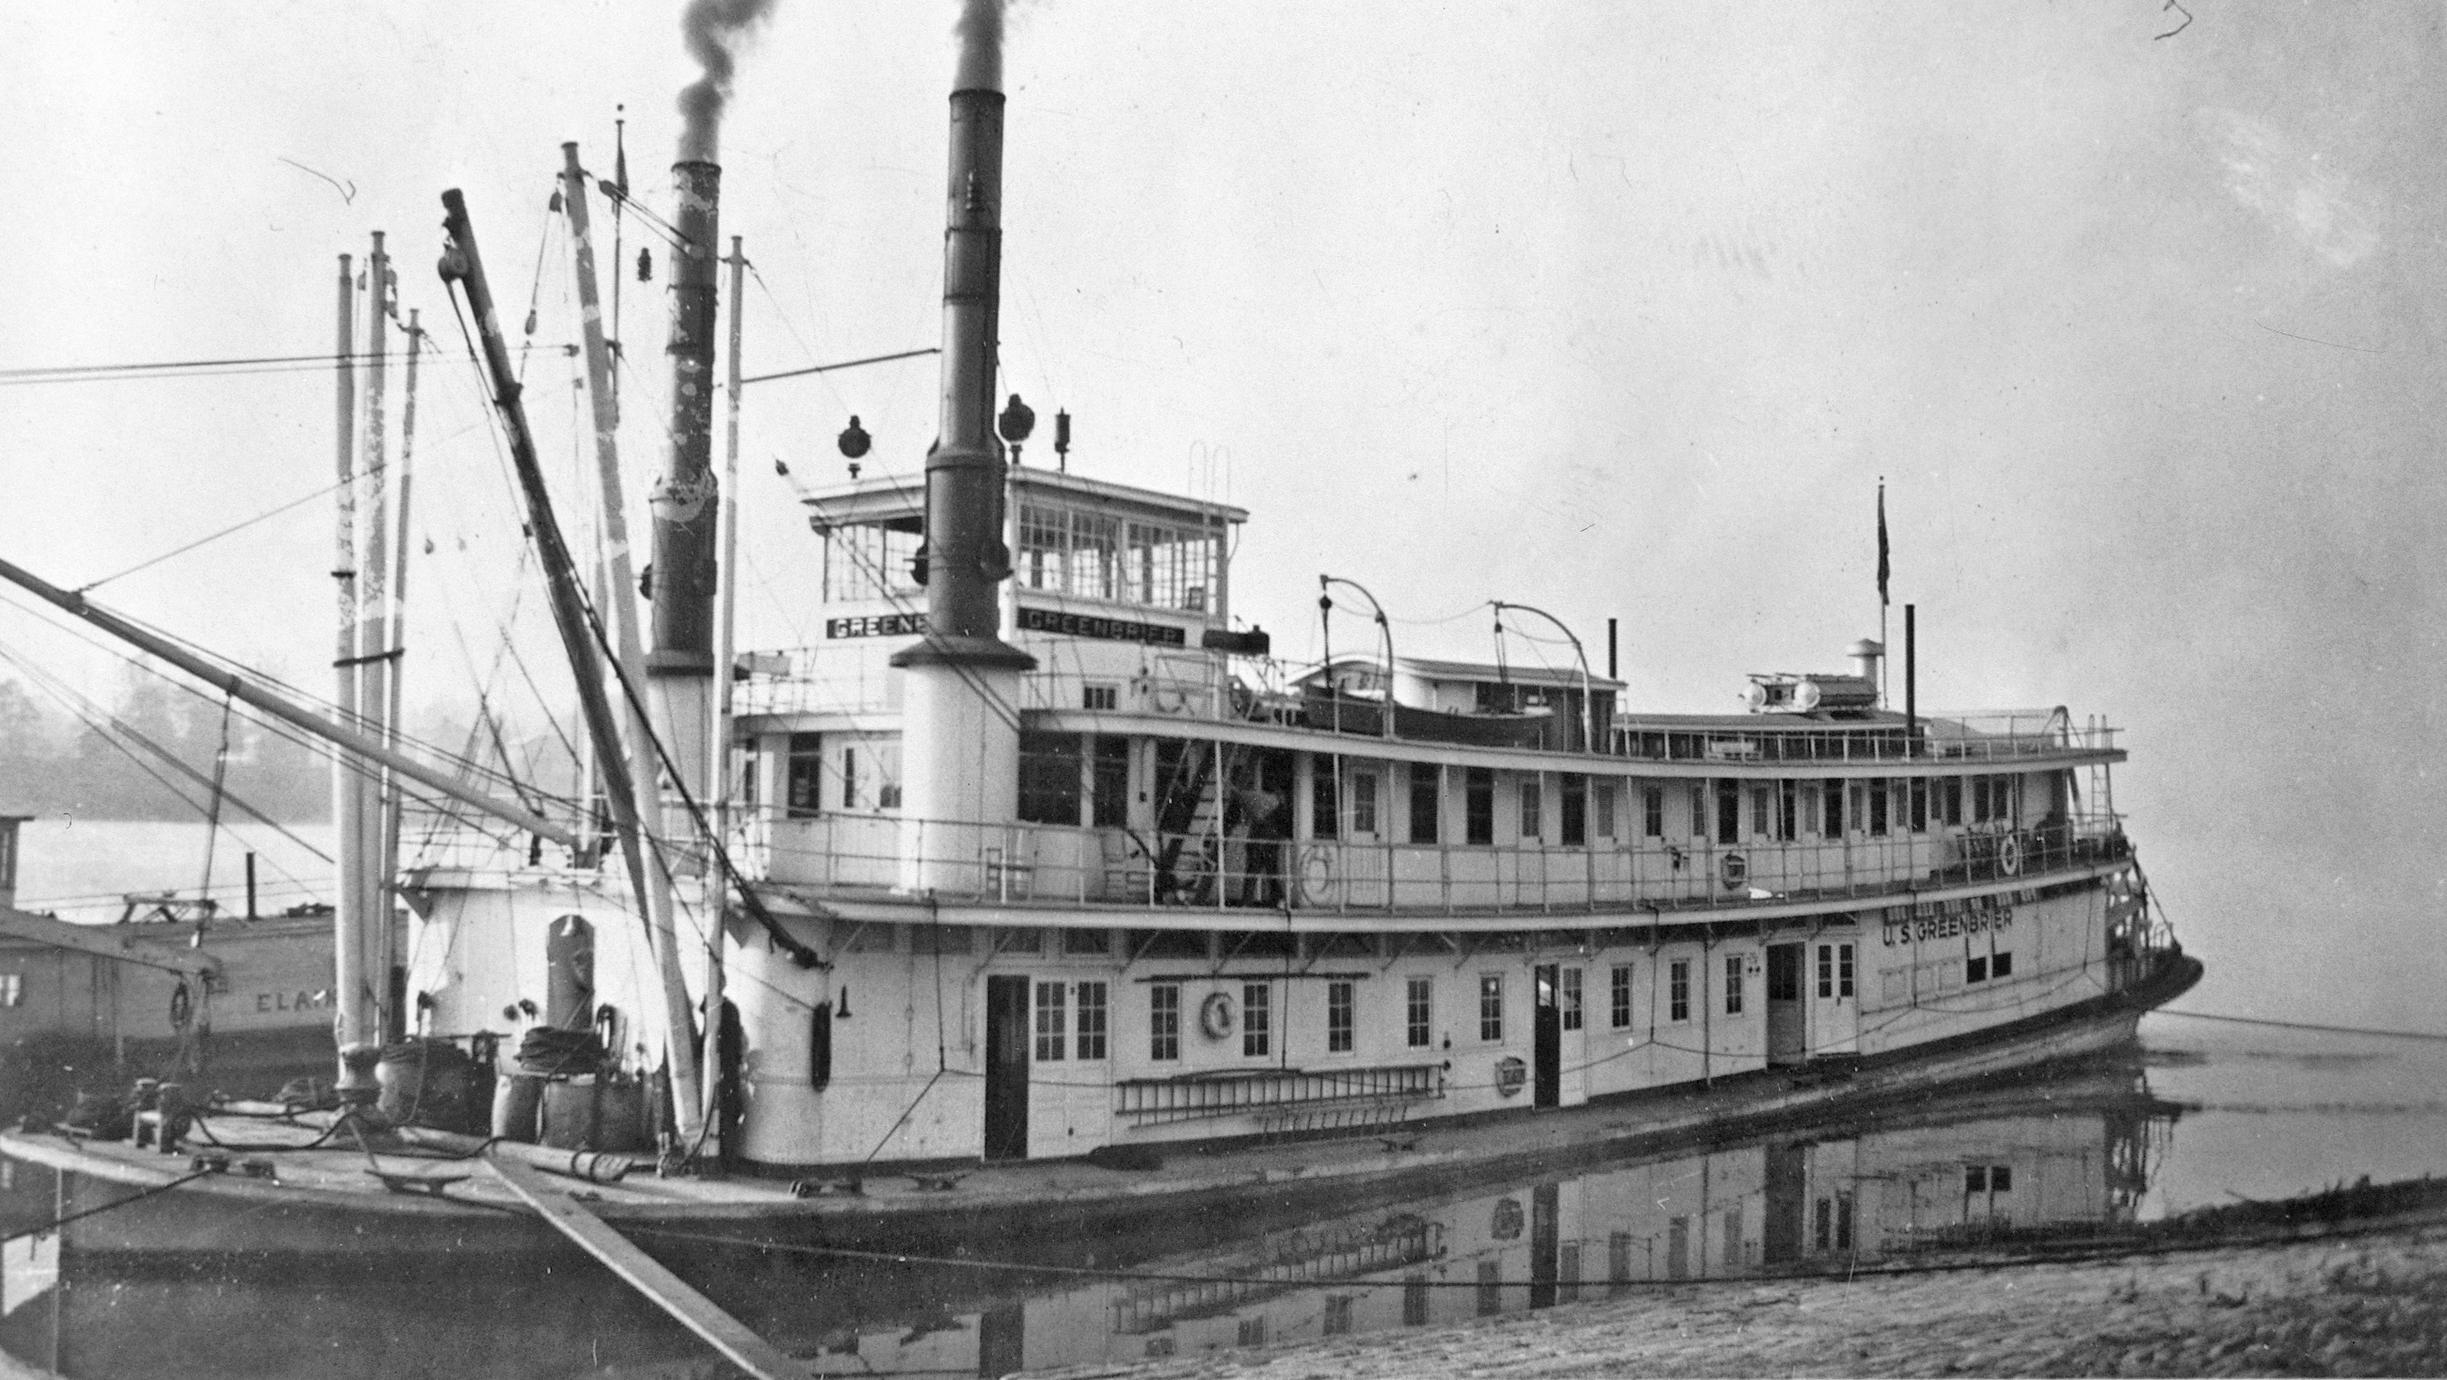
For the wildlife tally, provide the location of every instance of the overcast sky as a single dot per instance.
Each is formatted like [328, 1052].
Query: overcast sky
[1618, 310]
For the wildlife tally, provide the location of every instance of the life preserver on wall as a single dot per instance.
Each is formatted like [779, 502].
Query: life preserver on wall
[2009, 855]
[1735, 869]
[1167, 699]
[1215, 1016]
[1317, 880]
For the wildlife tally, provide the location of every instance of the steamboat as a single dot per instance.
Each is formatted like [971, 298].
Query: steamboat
[1040, 885]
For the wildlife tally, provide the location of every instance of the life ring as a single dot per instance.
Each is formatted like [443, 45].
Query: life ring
[1735, 869]
[1169, 699]
[2009, 855]
[182, 1006]
[1215, 1016]
[1317, 881]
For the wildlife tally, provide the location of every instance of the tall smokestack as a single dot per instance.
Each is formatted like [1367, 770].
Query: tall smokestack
[685, 501]
[960, 733]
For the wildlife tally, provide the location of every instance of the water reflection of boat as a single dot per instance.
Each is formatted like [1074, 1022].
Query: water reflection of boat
[1978, 1167]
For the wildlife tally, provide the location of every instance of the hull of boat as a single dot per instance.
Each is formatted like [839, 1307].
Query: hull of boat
[1019, 1209]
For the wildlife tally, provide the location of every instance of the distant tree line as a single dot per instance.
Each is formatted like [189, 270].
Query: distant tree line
[53, 760]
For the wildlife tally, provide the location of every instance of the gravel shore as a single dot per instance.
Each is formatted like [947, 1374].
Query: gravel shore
[2370, 1303]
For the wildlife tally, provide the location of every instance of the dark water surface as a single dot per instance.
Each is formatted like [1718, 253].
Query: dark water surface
[2200, 1114]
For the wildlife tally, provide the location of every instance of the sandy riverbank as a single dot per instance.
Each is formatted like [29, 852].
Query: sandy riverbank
[2370, 1303]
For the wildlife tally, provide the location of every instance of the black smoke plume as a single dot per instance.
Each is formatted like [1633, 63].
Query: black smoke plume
[713, 30]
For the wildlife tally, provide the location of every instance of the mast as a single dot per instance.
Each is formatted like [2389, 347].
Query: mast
[960, 726]
[357, 1022]
[395, 637]
[374, 655]
[618, 580]
[462, 262]
[718, 746]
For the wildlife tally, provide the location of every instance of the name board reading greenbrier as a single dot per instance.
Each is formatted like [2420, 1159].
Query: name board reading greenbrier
[1106, 629]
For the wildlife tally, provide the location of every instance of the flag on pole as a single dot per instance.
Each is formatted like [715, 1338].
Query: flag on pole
[1884, 568]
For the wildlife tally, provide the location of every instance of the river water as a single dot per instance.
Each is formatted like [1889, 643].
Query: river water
[2199, 1113]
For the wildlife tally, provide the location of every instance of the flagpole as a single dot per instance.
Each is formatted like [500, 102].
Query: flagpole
[1883, 571]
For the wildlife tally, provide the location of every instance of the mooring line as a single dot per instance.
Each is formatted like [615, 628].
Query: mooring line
[2305, 1025]
[115, 1203]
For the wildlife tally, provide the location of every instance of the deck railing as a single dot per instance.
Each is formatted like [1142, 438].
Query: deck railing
[1035, 864]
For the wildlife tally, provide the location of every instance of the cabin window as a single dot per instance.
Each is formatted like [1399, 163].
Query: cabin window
[803, 769]
[1979, 800]
[1762, 811]
[1341, 1016]
[1570, 998]
[1491, 1006]
[1652, 812]
[1337, 1320]
[1106, 696]
[1019, 939]
[1050, 1022]
[1324, 806]
[1733, 984]
[1618, 985]
[1877, 808]
[1164, 1021]
[1843, 971]
[1418, 1011]
[1953, 807]
[1086, 943]
[1092, 1019]
[1698, 794]
[1363, 803]
[1835, 970]
[1788, 810]
[1834, 798]
[868, 562]
[1109, 783]
[1533, 811]
[1478, 806]
[1601, 800]
[1049, 778]
[1826, 970]
[1426, 783]
[1975, 969]
[1256, 1020]
[2001, 964]
[1920, 804]
[849, 779]
[1678, 990]
[1574, 802]
[1728, 812]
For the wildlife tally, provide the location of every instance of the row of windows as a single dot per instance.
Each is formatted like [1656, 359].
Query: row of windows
[1835, 980]
[859, 778]
[1100, 556]
[1787, 810]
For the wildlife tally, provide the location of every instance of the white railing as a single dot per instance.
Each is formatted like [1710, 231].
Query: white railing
[1046, 864]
